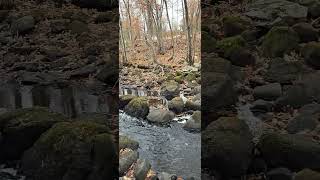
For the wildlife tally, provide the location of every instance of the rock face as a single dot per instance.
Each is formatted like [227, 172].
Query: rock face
[160, 116]
[23, 25]
[280, 40]
[293, 151]
[227, 146]
[21, 128]
[137, 107]
[77, 150]
[170, 89]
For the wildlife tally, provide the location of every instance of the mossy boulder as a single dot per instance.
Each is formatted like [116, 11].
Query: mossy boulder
[234, 25]
[228, 45]
[307, 174]
[280, 40]
[72, 150]
[311, 54]
[293, 151]
[137, 107]
[126, 142]
[124, 100]
[21, 128]
[176, 105]
[227, 146]
[170, 89]
[208, 43]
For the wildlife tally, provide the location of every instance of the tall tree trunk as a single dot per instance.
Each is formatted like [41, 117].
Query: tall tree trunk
[172, 40]
[189, 55]
[124, 55]
[127, 6]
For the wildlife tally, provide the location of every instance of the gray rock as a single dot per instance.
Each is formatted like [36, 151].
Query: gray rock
[261, 106]
[306, 32]
[170, 89]
[194, 123]
[268, 92]
[78, 27]
[311, 54]
[176, 105]
[23, 24]
[126, 142]
[126, 160]
[137, 107]
[280, 174]
[160, 116]
[141, 170]
[108, 75]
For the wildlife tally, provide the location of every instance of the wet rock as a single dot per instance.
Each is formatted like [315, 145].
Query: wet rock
[126, 142]
[228, 45]
[160, 116]
[306, 32]
[126, 160]
[284, 72]
[280, 174]
[176, 105]
[269, 13]
[194, 123]
[234, 25]
[124, 100]
[307, 174]
[21, 128]
[192, 105]
[23, 25]
[307, 119]
[72, 150]
[227, 146]
[137, 107]
[78, 27]
[311, 54]
[141, 170]
[170, 89]
[273, 47]
[292, 151]
[268, 92]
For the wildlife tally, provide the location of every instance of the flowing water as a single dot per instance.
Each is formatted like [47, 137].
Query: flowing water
[168, 148]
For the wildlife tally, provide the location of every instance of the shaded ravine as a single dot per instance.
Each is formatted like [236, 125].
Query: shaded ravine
[168, 148]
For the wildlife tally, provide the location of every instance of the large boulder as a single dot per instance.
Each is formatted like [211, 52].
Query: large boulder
[208, 43]
[272, 12]
[293, 151]
[229, 45]
[160, 116]
[124, 100]
[176, 105]
[170, 89]
[280, 40]
[23, 25]
[141, 170]
[234, 25]
[268, 92]
[21, 128]
[307, 119]
[304, 91]
[311, 54]
[227, 146]
[194, 123]
[108, 75]
[137, 107]
[72, 150]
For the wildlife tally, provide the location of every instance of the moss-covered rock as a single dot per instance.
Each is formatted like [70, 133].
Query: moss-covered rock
[307, 174]
[176, 105]
[228, 45]
[138, 107]
[311, 54]
[170, 89]
[124, 100]
[280, 40]
[21, 128]
[72, 150]
[126, 142]
[234, 25]
[208, 43]
[227, 146]
[293, 151]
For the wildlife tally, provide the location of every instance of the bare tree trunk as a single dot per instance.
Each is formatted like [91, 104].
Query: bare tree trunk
[189, 56]
[127, 6]
[172, 40]
[124, 55]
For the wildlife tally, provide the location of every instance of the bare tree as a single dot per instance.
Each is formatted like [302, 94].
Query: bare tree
[190, 59]
[172, 39]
